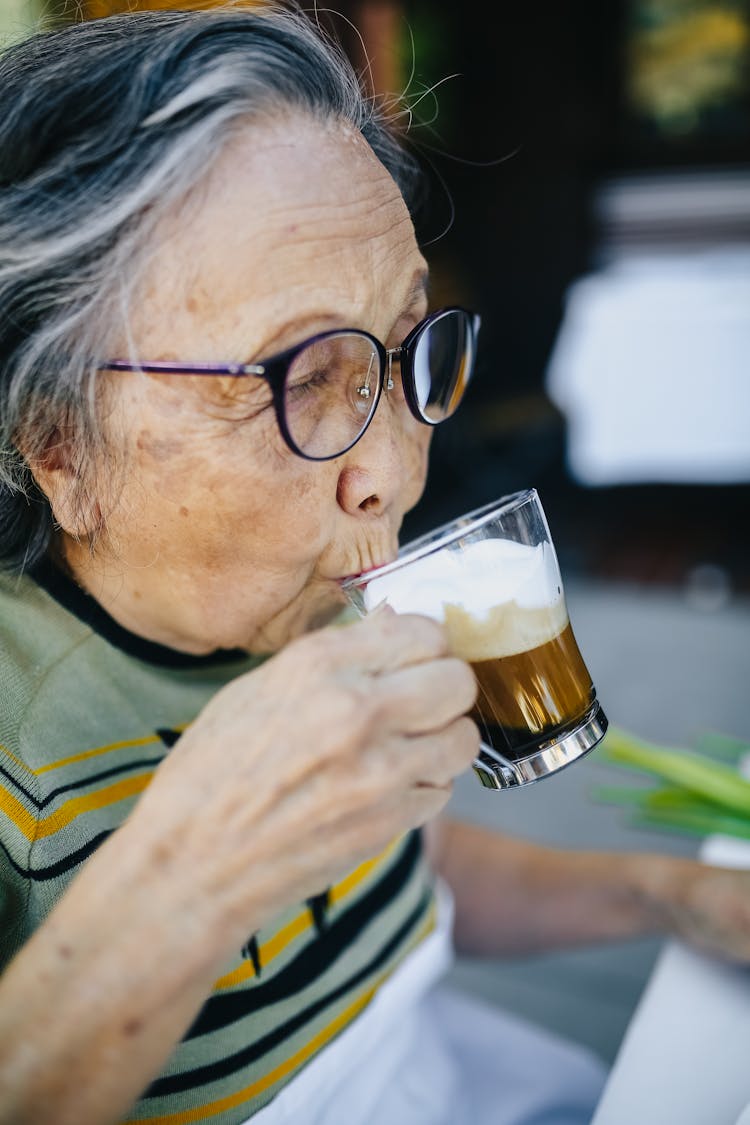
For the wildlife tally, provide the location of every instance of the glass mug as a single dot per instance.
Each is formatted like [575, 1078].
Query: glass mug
[492, 578]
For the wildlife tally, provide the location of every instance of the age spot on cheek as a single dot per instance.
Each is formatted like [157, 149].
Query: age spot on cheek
[184, 511]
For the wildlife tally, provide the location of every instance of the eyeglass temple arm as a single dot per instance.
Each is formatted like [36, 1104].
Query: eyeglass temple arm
[168, 368]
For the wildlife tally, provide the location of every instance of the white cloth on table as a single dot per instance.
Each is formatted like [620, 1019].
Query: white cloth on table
[423, 1053]
[684, 1055]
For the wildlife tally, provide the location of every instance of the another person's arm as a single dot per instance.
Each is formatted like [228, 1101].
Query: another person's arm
[290, 776]
[515, 897]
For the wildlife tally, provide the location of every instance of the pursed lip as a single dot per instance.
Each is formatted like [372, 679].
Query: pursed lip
[362, 573]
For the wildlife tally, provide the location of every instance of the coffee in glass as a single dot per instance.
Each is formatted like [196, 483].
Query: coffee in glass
[492, 578]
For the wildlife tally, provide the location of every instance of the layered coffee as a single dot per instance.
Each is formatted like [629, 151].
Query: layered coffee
[528, 698]
[504, 611]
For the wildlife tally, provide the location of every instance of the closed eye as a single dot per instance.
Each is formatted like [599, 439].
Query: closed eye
[311, 381]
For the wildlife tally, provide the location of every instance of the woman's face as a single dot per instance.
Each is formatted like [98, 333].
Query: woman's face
[220, 536]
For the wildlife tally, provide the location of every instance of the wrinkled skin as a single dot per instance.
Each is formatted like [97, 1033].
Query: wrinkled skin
[216, 535]
[220, 536]
[211, 533]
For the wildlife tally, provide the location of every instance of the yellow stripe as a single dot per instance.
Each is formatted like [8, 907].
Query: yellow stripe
[32, 829]
[349, 882]
[267, 951]
[16, 812]
[200, 1113]
[302, 922]
[146, 741]
[27, 823]
[13, 758]
[109, 795]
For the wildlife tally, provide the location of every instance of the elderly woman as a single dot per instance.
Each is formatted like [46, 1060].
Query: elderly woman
[224, 893]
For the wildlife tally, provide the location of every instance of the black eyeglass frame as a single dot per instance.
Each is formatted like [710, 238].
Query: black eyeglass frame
[275, 370]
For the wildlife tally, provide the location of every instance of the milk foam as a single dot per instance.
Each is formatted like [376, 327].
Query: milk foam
[495, 597]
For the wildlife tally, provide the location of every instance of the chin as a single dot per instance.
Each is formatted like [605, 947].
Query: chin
[316, 606]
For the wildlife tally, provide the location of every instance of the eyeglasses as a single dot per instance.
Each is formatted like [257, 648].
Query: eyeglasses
[326, 390]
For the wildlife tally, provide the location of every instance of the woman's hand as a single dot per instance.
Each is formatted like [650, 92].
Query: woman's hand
[300, 769]
[516, 897]
[289, 777]
[706, 906]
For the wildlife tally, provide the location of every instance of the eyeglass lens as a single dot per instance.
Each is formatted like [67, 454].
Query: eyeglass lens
[333, 385]
[442, 363]
[331, 392]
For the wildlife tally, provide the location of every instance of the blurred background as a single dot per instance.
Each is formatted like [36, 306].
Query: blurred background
[588, 170]
[589, 194]
[591, 163]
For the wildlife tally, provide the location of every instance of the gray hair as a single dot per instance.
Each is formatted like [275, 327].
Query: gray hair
[104, 126]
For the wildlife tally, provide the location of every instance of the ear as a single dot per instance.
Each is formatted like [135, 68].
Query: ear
[58, 470]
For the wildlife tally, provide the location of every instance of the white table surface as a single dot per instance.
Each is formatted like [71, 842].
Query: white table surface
[685, 1058]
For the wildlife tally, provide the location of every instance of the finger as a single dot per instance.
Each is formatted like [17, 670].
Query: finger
[424, 697]
[384, 641]
[423, 803]
[434, 760]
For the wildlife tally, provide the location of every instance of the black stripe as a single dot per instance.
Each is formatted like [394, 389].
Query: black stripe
[21, 788]
[315, 959]
[40, 874]
[318, 906]
[112, 772]
[200, 1076]
[168, 736]
[250, 949]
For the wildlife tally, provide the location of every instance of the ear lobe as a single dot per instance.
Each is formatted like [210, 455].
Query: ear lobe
[57, 470]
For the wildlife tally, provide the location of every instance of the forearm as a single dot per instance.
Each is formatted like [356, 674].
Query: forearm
[93, 1005]
[515, 897]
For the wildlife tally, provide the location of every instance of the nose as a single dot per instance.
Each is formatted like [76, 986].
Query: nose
[375, 471]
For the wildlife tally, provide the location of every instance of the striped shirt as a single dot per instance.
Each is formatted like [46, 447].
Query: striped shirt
[87, 712]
